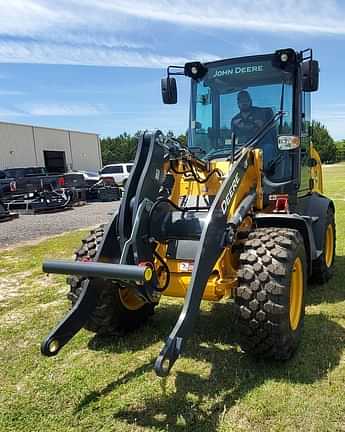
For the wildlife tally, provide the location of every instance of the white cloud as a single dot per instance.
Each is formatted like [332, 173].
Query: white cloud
[72, 21]
[64, 110]
[72, 109]
[305, 16]
[50, 53]
[109, 32]
[204, 57]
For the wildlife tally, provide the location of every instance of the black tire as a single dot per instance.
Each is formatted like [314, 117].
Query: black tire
[323, 270]
[111, 316]
[108, 194]
[263, 296]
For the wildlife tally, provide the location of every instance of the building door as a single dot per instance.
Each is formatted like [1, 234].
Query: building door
[55, 161]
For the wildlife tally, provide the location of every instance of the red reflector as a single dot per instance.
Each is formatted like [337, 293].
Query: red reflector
[282, 205]
[61, 181]
[108, 180]
[13, 186]
[86, 259]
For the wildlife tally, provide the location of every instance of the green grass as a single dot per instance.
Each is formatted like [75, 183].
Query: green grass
[109, 385]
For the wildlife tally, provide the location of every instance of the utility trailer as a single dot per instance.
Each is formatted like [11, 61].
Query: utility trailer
[5, 215]
[84, 190]
[32, 190]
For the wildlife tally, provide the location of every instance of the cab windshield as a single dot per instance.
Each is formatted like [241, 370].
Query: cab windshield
[239, 98]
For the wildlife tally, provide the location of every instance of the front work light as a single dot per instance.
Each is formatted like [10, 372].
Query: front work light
[288, 142]
[285, 59]
[195, 70]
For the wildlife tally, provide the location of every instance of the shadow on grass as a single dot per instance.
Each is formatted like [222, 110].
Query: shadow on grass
[157, 328]
[331, 292]
[232, 376]
[201, 401]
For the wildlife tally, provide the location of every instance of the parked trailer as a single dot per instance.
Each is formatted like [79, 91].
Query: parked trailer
[31, 189]
[5, 215]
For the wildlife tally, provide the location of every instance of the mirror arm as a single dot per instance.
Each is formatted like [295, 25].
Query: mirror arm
[169, 73]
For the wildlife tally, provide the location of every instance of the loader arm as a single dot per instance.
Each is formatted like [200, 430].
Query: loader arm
[218, 232]
[127, 253]
[120, 263]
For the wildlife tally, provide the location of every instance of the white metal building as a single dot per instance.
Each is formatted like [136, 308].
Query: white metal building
[58, 150]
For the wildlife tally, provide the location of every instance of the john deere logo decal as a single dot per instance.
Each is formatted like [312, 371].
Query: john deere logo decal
[236, 70]
[227, 200]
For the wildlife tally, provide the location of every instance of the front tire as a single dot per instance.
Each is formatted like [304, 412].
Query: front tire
[117, 309]
[270, 296]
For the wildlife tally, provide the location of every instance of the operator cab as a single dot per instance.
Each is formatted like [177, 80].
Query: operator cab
[239, 97]
[233, 100]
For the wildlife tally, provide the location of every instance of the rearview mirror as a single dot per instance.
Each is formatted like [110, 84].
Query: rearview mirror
[310, 75]
[169, 90]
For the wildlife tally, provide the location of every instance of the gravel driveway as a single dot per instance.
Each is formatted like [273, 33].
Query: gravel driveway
[31, 227]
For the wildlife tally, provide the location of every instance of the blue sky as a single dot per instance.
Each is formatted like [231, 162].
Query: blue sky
[96, 65]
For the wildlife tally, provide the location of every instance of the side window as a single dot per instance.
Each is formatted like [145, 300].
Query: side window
[202, 127]
[305, 141]
[285, 126]
[306, 115]
[129, 167]
[118, 169]
[203, 110]
[228, 110]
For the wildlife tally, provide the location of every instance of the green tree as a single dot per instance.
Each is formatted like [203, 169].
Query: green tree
[340, 150]
[119, 149]
[122, 149]
[183, 139]
[323, 142]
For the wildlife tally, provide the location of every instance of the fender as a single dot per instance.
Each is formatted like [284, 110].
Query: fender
[316, 205]
[293, 221]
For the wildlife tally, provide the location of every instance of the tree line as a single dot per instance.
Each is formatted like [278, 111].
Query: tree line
[122, 148]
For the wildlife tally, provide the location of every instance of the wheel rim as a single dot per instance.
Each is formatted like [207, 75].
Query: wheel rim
[130, 300]
[329, 246]
[296, 293]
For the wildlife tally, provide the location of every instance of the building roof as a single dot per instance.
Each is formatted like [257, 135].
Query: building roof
[49, 128]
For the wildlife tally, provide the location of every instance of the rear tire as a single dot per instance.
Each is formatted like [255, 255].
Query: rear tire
[117, 309]
[270, 296]
[323, 266]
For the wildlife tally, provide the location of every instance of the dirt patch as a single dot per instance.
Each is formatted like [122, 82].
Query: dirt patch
[39, 240]
[12, 318]
[8, 289]
[10, 286]
[55, 303]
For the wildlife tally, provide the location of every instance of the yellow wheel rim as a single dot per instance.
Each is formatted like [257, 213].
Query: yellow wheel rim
[329, 246]
[130, 300]
[296, 293]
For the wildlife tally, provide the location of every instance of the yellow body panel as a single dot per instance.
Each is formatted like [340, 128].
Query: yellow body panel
[296, 293]
[223, 279]
[316, 171]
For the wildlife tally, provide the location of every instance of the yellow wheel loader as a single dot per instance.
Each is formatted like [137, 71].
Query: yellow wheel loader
[237, 213]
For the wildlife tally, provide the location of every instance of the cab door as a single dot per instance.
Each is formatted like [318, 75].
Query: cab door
[305, 143]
